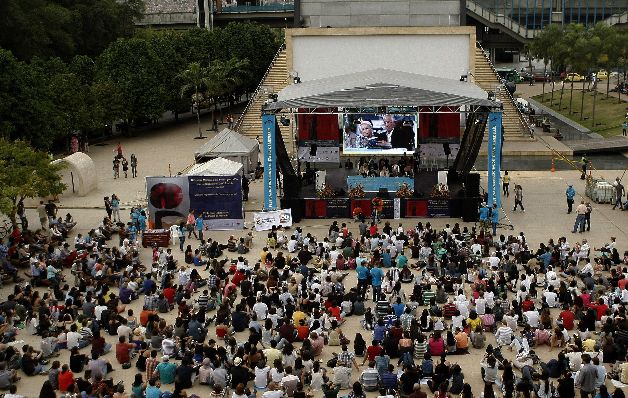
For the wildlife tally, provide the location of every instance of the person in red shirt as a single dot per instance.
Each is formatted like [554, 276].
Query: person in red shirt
[567, 317]
[66, 378]
[372, 351]
[334, 311]
[169, 294]
[621, 283]
[600, 308]
[144, 315]
[123, 350]
[238, 277]
[527, 304]
[303, 331]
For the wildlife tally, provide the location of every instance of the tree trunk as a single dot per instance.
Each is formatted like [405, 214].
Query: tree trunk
[544, 74]
[13, 213]
[608, 85]
[552, 96]
[582, 102]
[593, 116]
[618, 91]
[562, 90]
[571, 96]
[198, 120]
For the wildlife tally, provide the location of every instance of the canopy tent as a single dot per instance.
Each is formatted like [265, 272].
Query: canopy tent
[79, 174]
[233, 146]
[216, 167]
[378, 88]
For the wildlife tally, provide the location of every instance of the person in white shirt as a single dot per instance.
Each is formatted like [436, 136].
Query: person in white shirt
[480, 305]
[587, 269]
[292, 245]
[551, 298]
[532, 317]
[511, 320]
[503, 335]
[261, 310]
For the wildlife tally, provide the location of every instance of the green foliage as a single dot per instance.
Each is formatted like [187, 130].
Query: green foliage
[63, 28]
[26, 173]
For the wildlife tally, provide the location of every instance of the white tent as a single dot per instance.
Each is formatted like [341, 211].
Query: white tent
[230, 145]
[216, 167]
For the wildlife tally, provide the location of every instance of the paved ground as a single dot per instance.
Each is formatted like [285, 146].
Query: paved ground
[170, 150]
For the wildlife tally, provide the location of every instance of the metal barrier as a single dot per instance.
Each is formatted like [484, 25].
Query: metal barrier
[249, 8]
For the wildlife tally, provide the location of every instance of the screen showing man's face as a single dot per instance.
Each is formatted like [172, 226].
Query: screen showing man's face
[389, 123]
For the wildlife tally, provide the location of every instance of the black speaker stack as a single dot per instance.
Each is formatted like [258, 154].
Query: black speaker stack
[471, 200]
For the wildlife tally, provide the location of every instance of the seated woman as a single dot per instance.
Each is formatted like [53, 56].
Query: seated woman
[242, 247]
[231, 244]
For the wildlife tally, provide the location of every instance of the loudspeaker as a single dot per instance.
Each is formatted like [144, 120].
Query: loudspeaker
[470, 209]
[472, 184]
[291, 186]
[313, 149]
[383, 193]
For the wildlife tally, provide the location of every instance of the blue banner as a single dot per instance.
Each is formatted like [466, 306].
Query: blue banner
[373, 184]
[270, 167]
[217, 200]
[494, 158]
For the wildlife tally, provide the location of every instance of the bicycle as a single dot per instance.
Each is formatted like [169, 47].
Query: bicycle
[5, 229]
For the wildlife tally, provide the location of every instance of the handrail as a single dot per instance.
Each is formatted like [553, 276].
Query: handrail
[525, 123]
[503, 20]
[238, 123]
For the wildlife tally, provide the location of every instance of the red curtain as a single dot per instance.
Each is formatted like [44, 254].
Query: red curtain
[416, 208]
[318, 127]
[438, 125]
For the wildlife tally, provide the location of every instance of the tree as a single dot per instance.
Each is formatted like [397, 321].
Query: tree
[26, 173]
[132, 70]
[546, 47]
[226, 77]
[195, 79]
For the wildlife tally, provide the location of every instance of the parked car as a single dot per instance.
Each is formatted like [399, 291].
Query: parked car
[574, 77]
[602, 75]
[539, 76]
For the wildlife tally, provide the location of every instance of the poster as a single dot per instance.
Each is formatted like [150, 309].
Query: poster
[438, 208]
[217, 199]
[264, 221]
[338, 208]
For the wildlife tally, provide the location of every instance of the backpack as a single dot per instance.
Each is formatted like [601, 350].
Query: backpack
[427, 368]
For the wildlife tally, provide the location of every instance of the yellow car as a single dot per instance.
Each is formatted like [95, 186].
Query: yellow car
[574, 77]
[602, 75]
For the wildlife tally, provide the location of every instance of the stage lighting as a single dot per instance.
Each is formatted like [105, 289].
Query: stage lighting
[272, 97]
[463, 78]
[284, 121]
[297, 80]
[313, 149]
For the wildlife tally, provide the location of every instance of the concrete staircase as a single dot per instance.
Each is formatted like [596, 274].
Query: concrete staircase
[276, 78]
[485, 76]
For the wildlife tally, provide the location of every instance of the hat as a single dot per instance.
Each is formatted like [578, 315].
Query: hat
[165, 358]
[237, 361]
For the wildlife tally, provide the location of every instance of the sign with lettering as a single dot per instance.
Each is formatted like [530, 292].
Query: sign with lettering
[265, 220]
[438, 208]
[338, 208]
[270, 163]
[218, 200]
[494, 157]
[373, 184]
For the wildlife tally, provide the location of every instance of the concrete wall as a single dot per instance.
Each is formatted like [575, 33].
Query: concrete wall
[363, 13]
[442, 52]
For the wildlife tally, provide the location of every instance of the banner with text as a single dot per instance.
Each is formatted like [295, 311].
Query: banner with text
[494, 157]
[270, 163]
[264, 221]
[218, 200]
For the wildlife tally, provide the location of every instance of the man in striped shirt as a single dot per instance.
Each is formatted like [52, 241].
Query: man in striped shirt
[151, 364]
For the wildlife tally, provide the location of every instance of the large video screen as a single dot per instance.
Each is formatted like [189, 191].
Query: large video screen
[379, 134]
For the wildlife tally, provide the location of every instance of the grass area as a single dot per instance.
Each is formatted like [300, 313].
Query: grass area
[609, 114]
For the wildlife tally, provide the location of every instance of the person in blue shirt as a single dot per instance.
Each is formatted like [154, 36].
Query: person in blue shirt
[484, 213]
[132, 231]
[363, 276]
[399, 307]
[402, 260]
[142, 221]
[386, 259]
[153, 391]
[494, 218]
[199, 227]
[545, 258]
[376, 281]
[570, 193]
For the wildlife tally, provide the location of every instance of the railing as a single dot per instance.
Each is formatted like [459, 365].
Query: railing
[249, 8]
[255, 94]
[503, 20]
[524, 121]
[617, 19]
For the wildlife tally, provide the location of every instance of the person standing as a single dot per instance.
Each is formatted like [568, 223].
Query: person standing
[506, 184]
[190, 224]
[570, 194]
[587, 217]
[199, 227]
[125, 167]
[581, 210]
[51, 211]
[518, 197]
[376, 281]
[116, 168]
[585, 163]
[43, 217]
[624, 128]
[494, 218]
[108, 208]
[586, 378]
[619, 193]
[133, 165]
[119, 150]
[115, 207]
[181, 232]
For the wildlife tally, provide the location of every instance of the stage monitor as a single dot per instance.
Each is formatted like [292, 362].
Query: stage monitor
[379, 134]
